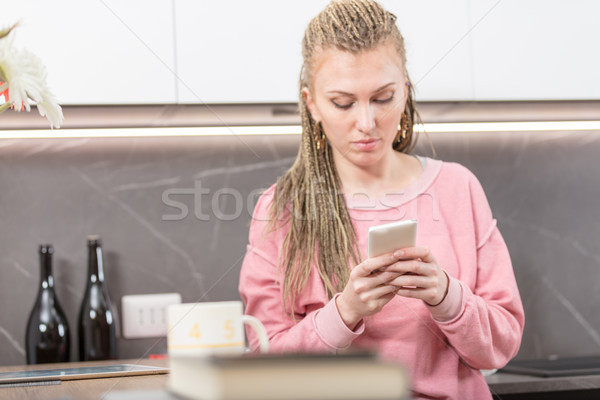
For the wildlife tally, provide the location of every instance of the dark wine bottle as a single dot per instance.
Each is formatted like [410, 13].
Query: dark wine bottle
[97, 325]
[47, 336]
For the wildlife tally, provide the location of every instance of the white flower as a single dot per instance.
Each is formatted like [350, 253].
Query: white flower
[24, 75]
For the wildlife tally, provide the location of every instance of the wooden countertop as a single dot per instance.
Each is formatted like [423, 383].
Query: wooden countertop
[84, 389]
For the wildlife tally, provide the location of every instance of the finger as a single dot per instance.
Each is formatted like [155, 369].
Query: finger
[414, 293]
[372, 264]
[381, 278]
[367, 283]
[408, 253]
[382, 292]
[416, 267]
[370, 296]
[412, 281]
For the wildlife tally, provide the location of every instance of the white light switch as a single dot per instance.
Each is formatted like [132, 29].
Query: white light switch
[145, 315]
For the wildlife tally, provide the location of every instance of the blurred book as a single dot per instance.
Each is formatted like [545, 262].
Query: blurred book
[288, 377]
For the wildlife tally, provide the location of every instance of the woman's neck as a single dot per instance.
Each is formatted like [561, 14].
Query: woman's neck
[389, 176]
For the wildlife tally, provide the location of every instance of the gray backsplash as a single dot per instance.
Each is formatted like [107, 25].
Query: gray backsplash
[173, 214]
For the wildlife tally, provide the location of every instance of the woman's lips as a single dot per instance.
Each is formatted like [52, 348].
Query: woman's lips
[366, 144]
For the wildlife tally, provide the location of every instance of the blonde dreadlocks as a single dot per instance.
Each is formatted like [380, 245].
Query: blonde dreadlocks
[308, 196]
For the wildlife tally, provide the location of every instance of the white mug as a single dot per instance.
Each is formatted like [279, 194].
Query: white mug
[199, 329]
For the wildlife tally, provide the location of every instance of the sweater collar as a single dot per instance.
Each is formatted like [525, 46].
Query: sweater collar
[396, 199]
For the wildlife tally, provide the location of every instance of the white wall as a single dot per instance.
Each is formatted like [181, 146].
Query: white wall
[236, 51]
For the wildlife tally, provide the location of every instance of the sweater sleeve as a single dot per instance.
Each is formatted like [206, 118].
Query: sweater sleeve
[315, 326]
[487, 331]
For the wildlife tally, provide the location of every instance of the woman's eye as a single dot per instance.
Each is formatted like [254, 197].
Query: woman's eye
[385, 99]
[343, 106]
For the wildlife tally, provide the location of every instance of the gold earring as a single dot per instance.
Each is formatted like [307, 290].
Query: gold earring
[320, 136]
[401, 135]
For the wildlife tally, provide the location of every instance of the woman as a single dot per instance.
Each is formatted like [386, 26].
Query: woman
[445, 308]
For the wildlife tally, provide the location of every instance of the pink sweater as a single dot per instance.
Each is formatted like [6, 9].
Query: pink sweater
[478, 326]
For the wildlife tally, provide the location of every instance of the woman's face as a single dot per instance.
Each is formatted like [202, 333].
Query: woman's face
[359, 99]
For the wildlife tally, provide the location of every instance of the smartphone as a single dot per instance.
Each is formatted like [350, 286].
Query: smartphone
[393, 236]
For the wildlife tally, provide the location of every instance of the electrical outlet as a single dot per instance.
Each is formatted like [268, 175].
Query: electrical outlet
[145, 315]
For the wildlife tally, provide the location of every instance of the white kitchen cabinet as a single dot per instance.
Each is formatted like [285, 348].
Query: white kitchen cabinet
[238, 52]
[437, 46]
[100, 52]
[536, 50]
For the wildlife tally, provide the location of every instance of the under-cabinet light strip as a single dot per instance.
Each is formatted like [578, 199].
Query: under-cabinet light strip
[450, 127]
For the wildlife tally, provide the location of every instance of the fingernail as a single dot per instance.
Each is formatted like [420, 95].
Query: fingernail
[398, 254]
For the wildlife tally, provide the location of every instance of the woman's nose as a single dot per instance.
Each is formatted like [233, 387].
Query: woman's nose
[366, 118]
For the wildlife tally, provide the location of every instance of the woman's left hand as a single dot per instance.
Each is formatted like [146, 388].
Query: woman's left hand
[422, 278]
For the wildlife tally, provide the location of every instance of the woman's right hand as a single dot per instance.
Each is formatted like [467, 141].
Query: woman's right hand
[367, 290]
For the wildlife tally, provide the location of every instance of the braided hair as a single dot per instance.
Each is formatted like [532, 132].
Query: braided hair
[308, 197]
